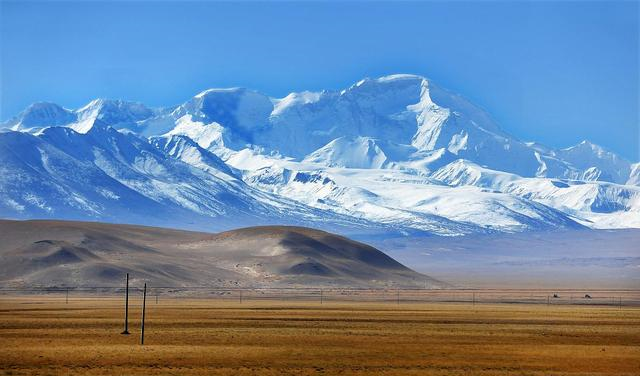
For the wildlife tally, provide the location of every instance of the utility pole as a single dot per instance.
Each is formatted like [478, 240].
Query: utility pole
[67, 297]
[240, 296]
[144, 303]
[321, 297]
[126, 307]
[474, 298]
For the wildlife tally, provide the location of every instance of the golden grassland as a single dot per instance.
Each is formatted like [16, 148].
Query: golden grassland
[40, 335]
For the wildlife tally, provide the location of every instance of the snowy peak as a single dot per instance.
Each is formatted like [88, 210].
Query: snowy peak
[589, 150]
[596, 162]
[375, 108]
[102, 112]
[400, 86]
[114, 113]
[586, 145]
[462, 172]
[209, 135]
[185, 149]
[41, 114]
[294, 100]
[237, 108]
[360, 152]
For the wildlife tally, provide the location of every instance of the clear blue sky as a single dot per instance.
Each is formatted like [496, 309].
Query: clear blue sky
[554, 72]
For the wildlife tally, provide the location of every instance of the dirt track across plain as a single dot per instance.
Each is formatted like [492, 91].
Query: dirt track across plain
[43, 335]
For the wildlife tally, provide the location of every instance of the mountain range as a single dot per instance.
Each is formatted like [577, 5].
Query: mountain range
[392, 154]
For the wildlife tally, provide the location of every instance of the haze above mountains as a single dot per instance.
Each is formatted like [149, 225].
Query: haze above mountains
[395, 154]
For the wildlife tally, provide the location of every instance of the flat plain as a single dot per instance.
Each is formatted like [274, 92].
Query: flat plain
[44, 335]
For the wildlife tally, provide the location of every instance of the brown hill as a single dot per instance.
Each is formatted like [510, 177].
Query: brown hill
[60, 253]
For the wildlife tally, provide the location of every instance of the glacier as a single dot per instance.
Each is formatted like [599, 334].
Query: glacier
[390, 154]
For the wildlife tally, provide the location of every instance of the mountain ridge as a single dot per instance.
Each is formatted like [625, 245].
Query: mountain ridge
[334, 153]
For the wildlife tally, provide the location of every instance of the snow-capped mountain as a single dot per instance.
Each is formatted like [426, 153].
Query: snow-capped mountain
[120, 177]
[394, 152]
[359, 152]
[115, 113]
[118, 114]
[39, 115]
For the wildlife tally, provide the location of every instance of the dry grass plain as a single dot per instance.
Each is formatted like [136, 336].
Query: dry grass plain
[40, 335]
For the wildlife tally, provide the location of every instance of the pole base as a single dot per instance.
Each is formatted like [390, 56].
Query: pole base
[125, 332]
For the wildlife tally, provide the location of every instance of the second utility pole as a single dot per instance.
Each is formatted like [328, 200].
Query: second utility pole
[144, 303]
[126, 308]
